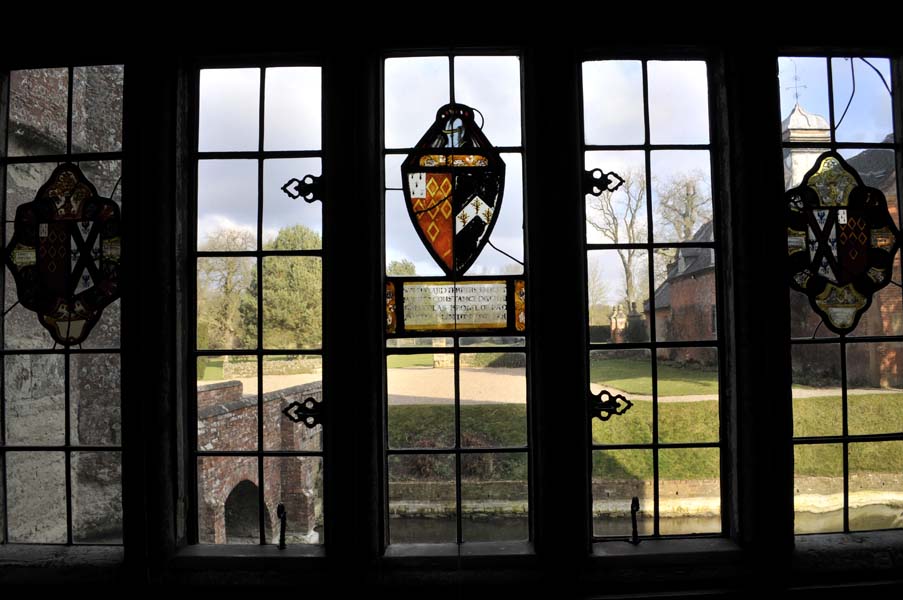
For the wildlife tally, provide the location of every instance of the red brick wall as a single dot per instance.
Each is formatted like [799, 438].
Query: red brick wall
[689, 316]
[227, 420]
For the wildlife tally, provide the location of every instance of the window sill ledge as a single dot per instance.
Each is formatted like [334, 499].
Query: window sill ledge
[469, 550]
[668, 550]
[250, 557]
[849, 555]
[60, 564]
[654, 563]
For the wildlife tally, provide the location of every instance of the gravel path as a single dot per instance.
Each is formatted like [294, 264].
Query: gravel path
[426, 385]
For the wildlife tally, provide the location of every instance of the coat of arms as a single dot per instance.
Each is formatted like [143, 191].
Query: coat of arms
[453, 182]
[841, 241]
[64, 255]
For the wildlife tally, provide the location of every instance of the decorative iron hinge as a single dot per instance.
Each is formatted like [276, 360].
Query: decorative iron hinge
[309, 187]
[595, 182]
[603, 405]
[310, 412]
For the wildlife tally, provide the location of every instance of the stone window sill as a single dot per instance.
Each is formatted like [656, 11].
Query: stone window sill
[28, 563]
[668, 550]
[849, 555]
[400, 553]
[251, 557]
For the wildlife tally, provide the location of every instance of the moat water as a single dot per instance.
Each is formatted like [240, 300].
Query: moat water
[408, 530]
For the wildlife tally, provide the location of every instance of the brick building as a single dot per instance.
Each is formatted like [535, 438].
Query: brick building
[685, 301]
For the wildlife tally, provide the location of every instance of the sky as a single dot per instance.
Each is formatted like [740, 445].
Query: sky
[416, 87]
[869, 117]
[228, 121]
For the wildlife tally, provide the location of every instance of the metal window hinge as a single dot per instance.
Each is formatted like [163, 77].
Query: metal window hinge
[310, 412]
[595, 182]
[603, 405]
[309, 187]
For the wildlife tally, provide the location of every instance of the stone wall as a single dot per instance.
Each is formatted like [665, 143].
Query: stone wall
[35, 384]
[243, 369]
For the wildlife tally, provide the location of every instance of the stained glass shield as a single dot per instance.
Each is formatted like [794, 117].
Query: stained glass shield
[841, 241]
[453, 184]
[65, 253]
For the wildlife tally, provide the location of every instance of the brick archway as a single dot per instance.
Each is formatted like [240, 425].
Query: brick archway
[241, 514]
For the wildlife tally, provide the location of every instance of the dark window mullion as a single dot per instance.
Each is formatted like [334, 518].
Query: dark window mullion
[257, 253]
[719, 329]
[66, 357]
[191, 405]
[4, 115]
[256, 154]
[446, 451]
[68, 452]
[648, 147]
[261, 505]
[845, 431]
[255, 453]
[830, 72]
[406, 151]
[458, 444]
[75, 157]
[60, 448]
[266, 352]
[650, 269]
[69, 113]
[659, 445]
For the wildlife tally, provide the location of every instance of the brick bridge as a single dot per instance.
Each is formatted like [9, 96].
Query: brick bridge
[228, 495]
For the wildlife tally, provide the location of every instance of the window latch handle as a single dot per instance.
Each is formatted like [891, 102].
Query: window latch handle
[280, 512]
[634, 509]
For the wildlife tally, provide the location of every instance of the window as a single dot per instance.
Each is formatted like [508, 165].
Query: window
[60, 409]
[847, 398]
[259, 306]
[652, 286]
[508, 485]
[456, 342]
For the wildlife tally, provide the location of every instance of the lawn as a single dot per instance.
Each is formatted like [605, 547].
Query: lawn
[635, 376]
[402, 361]
[504, 425]
[210, 368]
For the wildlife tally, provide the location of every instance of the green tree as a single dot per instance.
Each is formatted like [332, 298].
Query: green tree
[222, 282]
[401, 268]
[292, 294]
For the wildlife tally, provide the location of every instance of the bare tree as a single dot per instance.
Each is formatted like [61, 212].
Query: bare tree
[620, 217]
[597, 290]
[684, 203]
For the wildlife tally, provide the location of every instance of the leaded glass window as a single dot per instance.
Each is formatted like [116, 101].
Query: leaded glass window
[456, 334]
[258, 320]
[60, 408]
[847, 391]
[652, 291]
